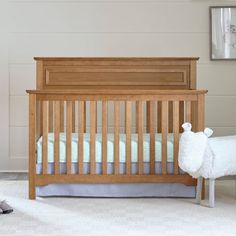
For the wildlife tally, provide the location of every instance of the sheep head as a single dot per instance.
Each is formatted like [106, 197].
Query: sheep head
[192, 147]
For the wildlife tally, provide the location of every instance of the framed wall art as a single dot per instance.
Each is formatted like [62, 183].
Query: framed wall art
[223, 33]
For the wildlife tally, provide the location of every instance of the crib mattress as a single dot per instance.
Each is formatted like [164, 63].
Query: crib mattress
[110, 148]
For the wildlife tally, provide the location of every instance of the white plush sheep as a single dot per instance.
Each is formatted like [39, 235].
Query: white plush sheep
[204, 157]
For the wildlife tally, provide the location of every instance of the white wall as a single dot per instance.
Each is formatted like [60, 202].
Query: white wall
[104, 28]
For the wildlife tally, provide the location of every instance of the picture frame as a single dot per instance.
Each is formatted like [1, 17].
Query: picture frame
[223, 32]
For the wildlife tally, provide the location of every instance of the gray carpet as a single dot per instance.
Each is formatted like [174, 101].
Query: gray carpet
[94, 216]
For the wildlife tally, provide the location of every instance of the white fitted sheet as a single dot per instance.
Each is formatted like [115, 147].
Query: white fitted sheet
[110, 148]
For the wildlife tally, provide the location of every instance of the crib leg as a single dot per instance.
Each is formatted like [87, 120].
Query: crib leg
[32, 194]
[211, 192]
[199, 190]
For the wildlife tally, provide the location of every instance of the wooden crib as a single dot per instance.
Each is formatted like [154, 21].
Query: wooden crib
[118, 96]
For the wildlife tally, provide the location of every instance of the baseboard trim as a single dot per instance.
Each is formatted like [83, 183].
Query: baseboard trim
[13, 171]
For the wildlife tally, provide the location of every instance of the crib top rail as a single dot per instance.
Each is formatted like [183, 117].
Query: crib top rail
[118, 95]
[118, 92]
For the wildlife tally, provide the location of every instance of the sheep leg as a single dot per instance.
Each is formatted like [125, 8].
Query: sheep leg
[211, 192]
[199, 190]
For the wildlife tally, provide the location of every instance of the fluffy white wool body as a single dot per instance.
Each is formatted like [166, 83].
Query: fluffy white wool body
[200, 155]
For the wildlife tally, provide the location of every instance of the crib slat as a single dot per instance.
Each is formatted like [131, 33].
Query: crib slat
[50, 116]
[116, 135]
[128, 136]
[56, 136]
[92, 136]
[181, 114]
[45, 136]
[84, 117]
[170, 116]
[104, 137]
[176, 136]
[68, 135]
[148, 107]
[159, 111]
[188, 111]
[81, 116]
[164, 131]
[201, 111]
[62, 116]
[152, 137]
[140, 136]
[73, 116]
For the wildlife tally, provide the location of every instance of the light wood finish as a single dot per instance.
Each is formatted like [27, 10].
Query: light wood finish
[104, 137]
[181, 114]
[39, 123]
[201, 112]
[194, 115]
[152, 136]
[81, 128]
[85, 117]
[159, 116]
[56, 136]
[200, 125]
[45, 136]
[62, 116]
[109, 179]
[193, 74]
[148, 104]
[170, 117]
[50, 116]
[164, 131]
[68, 137]
[139, 114]
[39, 74]
[116, 135]
[73, 116]
[128, 73]
[128, 119]
[129, 94]
[92, 137]
[32, 145]
[176, 135]
[162, 81]
[188, 111]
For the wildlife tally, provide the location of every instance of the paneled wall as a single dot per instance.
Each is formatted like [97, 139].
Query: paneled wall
[106, 28]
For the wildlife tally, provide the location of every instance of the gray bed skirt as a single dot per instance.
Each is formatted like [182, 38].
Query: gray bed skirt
[117, 190]
[114, 190]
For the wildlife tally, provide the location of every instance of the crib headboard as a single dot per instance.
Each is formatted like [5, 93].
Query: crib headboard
[111, 73]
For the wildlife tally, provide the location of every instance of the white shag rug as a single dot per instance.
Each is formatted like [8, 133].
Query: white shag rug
[122, 216]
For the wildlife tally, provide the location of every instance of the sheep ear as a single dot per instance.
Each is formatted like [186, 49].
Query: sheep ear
[187, 126]
[208, 132]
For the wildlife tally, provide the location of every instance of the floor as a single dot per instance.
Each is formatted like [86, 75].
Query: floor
[101, 217]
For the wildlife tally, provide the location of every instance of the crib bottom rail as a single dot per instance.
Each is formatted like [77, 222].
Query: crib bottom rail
[45, 179]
